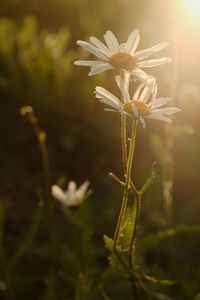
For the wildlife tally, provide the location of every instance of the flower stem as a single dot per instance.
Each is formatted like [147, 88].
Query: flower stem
[133, 238]
[127, 182]
[123, 142]
[124, 149]
[27, 112]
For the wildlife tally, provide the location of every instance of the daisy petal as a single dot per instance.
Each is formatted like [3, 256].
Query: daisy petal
[89, 47]
[114, 40]
[72, 186]
[150, 51]
[134, 109]
[132, 42]
[96, 69]
[122, 47]
[59, 194]
[111, 42]
[167, 110]
[153, 98]
[142, 121]
[154, 62]
[123, 86]
[114, 110]
[81, 192]
[110, 109]
[83, 187]
[148, 90]
[101, 92]
[160, 102]
[159, 117]
[100, 45]
[139, 74]
[87, 63]
[110, 103]
[137, 92]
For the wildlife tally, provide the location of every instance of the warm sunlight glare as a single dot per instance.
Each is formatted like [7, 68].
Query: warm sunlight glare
[192, 8]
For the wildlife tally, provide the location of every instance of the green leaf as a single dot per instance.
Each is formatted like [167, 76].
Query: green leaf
[124, 240]
[126, 230]
[113, 259]
[108, 242]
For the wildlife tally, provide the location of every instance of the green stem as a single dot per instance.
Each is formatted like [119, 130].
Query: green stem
[41, 136]
[133, 238]
[124, 149]
[123, 130]
[123, 142]
[28, 113]
[127, 182]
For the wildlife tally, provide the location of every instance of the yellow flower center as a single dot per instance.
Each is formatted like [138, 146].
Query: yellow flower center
[123, 61]
[143, 108]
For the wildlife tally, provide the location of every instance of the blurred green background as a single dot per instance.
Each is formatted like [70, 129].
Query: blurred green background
[37, 50]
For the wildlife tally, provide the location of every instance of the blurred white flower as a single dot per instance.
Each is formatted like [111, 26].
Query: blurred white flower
[143, 103]
[120, 56]
[73, 196]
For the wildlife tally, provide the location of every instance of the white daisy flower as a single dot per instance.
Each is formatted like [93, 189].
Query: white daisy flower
[143, 104]
[73, 196]
[120, 56]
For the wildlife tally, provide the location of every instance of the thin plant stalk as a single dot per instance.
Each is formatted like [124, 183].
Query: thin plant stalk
[127, 182]
[124, 150]
[123, 133]
[133, 238]
[27, 111]
[41, 136]
[123, 142]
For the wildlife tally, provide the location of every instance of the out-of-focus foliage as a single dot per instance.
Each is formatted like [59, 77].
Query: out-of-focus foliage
[36, 64]
[45, 252]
